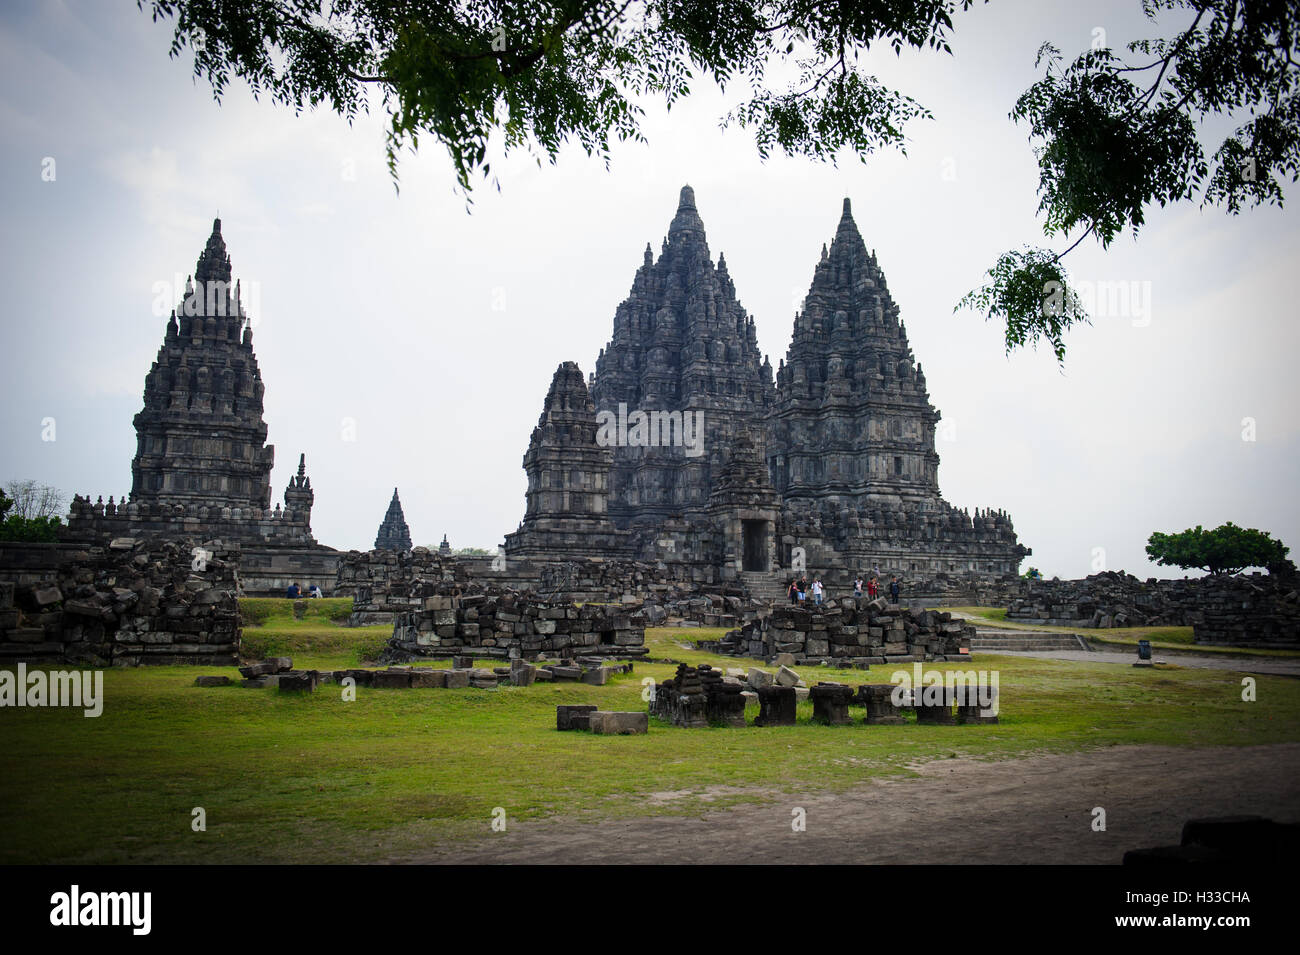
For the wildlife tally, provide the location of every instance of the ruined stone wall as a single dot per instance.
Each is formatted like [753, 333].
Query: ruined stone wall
[851, 632]
[134, 602]
[1255, 610]
[1110, 599]
[515, 626]
[90, 521]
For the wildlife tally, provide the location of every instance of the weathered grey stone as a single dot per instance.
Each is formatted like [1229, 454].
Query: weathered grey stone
[567, 713]
[391, 679]
[607, 723]
[777, 706]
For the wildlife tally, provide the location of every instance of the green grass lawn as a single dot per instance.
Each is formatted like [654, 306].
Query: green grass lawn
[1162, 638]
[315, 779]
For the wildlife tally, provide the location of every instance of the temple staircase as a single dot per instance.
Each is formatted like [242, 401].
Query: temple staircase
[993, 641]
[768, 586]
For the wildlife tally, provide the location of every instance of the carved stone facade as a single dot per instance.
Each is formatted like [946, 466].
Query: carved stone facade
[831, 468]
[202, 467]
[852, 436]
[684, 355]
[393, 533]
[566, 516]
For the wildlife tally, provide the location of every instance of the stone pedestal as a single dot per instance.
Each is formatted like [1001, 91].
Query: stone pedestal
[831, 703]
[776, 706]
[878, 699]
[934, 705]
[971, 710]
[725, 704]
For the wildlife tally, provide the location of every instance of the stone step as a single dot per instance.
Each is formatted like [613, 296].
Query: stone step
[1026, 640]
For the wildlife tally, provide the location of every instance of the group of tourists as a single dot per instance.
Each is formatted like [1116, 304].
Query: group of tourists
[800, 590]
[295, 592]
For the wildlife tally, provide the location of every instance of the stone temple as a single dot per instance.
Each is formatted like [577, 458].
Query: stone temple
[684, 449]
[695, 453]
[202, 467]
[393, 533]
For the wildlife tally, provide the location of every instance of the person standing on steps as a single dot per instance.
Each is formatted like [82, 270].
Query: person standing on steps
[817, 591]
[793, 591]
[893, 590]
[857, 586]
[873, 588]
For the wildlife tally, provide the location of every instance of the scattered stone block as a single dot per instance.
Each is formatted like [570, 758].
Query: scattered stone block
[573, 716]
[304, 682]
[787, 677]
[523, 676]
[878, 698]
[457, 679]
[831, 704]
[970, 709]
[462, 662]
[934, 705]
[212, 681]
[391, 679]
[608, 723]
[424, 678]
[777, 706]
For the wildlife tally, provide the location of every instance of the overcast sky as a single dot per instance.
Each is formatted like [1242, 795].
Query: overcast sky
[436, 329]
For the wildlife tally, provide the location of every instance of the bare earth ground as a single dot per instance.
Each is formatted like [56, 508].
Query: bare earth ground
[1031, 810]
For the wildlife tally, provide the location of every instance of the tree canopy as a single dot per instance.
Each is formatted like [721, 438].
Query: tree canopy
[1227, 549]
[1113, 137]
[32, 514]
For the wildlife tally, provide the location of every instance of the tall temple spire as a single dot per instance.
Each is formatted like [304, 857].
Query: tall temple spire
[393, 533]
[848, 373]
[201, 437]
[214, 262]
[568, 466]
[682, 345]
[687, 221]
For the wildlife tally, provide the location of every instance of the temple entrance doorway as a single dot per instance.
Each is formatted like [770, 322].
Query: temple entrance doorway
[753, 541]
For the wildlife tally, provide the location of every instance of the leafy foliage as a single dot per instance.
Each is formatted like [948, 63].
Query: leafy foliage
[1226, 549]
[31, 514]
[1112, 139]
[1032, 292]
[546, 72]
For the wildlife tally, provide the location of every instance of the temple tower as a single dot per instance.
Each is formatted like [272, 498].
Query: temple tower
[393, 533]
[566, 512]
[852, 421]
[684, 354]
[201, 438]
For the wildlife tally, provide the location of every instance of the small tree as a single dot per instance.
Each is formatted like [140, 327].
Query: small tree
[32, 514]
[1227, 549]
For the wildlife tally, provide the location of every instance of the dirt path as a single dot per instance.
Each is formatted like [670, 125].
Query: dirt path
[1279, 666]
[1032, 810]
